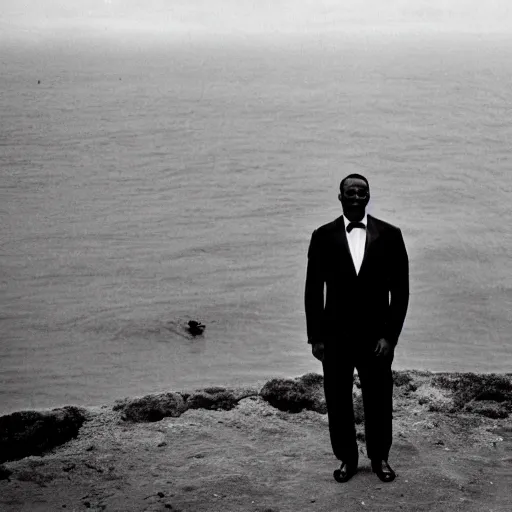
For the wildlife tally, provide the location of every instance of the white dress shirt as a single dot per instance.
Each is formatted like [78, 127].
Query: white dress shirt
[356, 242]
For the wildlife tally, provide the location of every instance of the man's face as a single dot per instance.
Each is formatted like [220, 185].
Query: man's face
[354, 197]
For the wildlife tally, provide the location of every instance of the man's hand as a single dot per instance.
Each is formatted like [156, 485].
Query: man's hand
[383, 348]
[318, 350]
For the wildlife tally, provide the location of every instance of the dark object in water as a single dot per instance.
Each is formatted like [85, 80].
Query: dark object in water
[38, 82]
[195, 327]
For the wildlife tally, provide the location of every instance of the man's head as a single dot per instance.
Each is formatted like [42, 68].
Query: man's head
[354, 196]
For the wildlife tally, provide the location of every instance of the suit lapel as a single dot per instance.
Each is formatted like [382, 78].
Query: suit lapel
[371, 235]
[342, 234]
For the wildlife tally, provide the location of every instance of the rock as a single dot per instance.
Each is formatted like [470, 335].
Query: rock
[468, 388]
[156, 407]
[217, 398]
[151, 407]
[488, 408]
[27, 433]
[4, 473]
[36, 475]
[295, 395]
[401, 378]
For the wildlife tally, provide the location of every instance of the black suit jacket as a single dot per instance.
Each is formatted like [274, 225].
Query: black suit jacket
[357, 309]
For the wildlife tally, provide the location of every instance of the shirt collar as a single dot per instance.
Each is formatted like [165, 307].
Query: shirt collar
[364, 220]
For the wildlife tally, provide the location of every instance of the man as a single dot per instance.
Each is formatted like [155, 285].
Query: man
[362, 264]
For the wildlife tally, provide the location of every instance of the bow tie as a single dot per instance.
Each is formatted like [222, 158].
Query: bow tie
[352, 225]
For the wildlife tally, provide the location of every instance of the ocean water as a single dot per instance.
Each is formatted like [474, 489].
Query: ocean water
[145, 185]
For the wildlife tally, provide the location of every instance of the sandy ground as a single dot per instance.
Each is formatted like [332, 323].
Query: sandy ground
[257, 458]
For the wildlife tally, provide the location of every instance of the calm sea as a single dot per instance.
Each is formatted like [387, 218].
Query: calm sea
[146, 185]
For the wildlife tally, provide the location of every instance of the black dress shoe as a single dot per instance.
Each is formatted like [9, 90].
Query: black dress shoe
[345, 473]
[383, 470]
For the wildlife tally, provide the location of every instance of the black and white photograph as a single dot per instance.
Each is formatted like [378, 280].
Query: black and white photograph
[255, 255]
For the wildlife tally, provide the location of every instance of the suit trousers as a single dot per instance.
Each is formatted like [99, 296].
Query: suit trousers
[377, 389]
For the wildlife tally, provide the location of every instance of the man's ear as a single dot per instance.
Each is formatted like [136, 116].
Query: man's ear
[339, 196]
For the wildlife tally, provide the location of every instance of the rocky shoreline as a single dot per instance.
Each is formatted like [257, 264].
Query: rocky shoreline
[234, 449]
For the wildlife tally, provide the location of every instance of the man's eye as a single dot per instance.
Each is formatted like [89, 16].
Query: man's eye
[352, 193]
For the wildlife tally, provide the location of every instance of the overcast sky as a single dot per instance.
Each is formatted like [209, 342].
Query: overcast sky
[252, 16]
